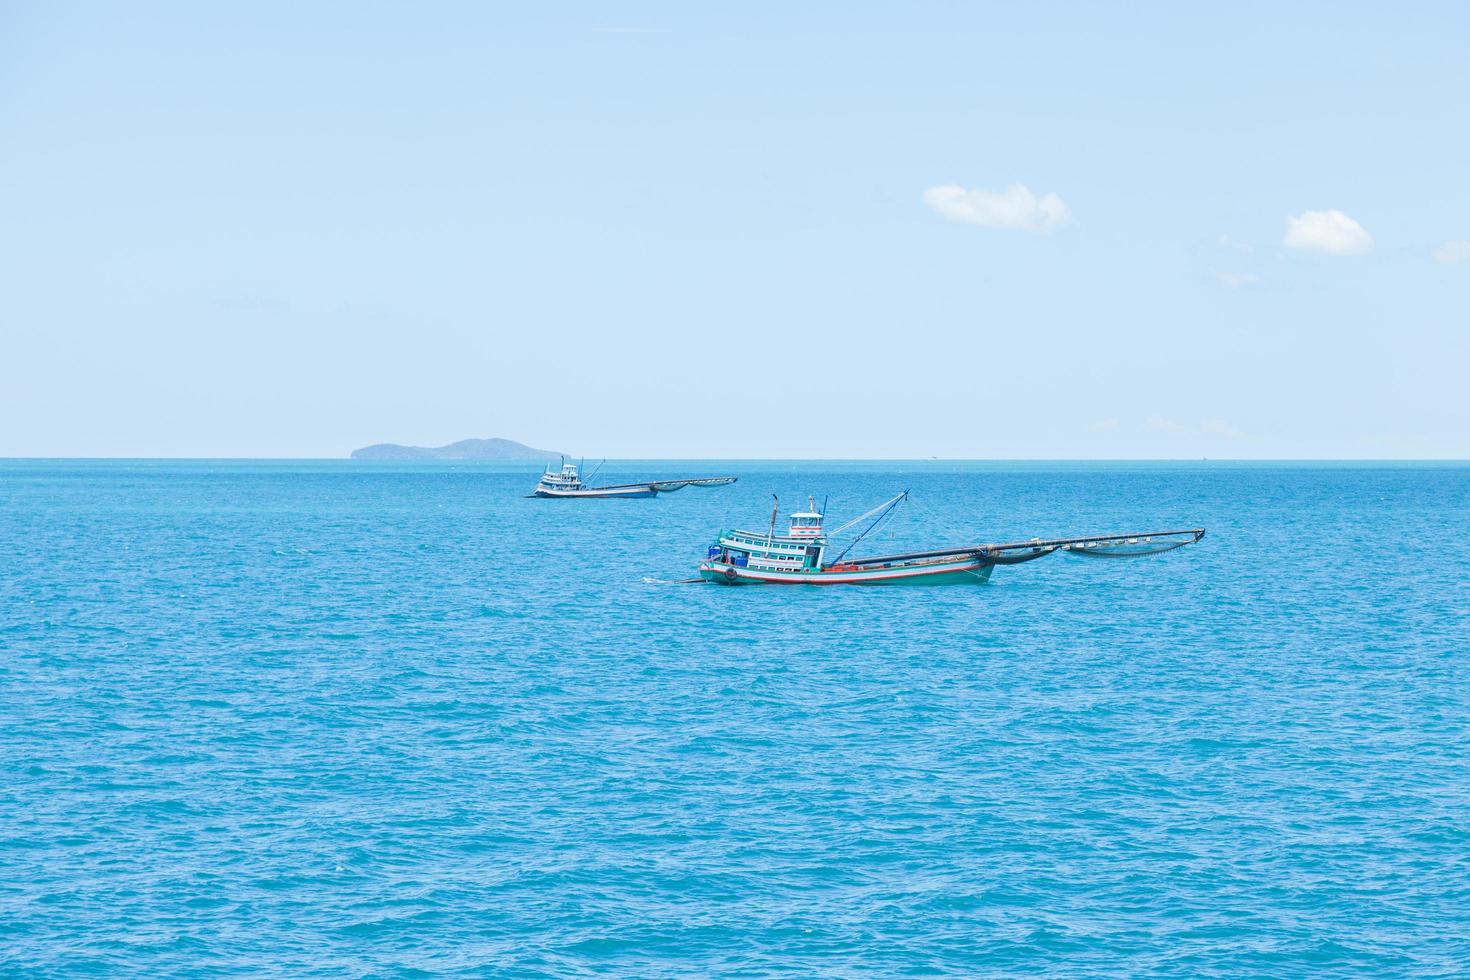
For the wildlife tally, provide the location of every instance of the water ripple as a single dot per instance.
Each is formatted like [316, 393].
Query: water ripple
[318, 720]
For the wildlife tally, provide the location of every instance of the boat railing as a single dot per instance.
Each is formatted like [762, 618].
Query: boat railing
[756, 540]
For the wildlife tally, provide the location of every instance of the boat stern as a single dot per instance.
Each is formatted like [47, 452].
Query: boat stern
[719, 573]
[722, 566]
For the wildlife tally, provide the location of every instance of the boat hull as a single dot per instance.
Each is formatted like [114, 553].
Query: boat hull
[642, 490]
[967, 572]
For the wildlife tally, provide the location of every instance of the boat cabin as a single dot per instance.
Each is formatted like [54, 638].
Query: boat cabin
[799, 549]
[567, 479]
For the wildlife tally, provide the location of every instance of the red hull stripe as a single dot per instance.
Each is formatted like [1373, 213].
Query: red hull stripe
[846, 578]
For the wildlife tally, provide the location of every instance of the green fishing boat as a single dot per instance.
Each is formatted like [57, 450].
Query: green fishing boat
[799, 557]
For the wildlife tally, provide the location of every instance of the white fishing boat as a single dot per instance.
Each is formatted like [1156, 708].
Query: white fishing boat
[567, 482]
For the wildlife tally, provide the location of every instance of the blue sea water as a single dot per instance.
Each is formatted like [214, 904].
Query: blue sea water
[339, 719]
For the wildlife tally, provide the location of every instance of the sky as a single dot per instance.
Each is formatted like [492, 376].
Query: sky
[738, 231]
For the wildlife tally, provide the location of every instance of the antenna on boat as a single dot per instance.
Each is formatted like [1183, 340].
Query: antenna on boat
[824, 504]
[775, 504]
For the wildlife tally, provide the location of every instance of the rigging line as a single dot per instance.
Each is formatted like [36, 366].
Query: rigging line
[876, 521]
[867, 514]
[931, 515]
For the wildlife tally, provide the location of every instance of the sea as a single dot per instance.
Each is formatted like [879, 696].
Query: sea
[344, 719]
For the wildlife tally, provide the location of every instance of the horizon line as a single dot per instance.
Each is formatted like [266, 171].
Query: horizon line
[759, 459]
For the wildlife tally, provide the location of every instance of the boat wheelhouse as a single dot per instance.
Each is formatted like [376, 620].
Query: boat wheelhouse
[799, 557]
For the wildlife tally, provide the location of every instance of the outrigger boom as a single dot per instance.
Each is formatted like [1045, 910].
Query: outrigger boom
[1101, 546]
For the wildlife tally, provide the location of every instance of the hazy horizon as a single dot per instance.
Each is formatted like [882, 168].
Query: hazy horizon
[534, 463]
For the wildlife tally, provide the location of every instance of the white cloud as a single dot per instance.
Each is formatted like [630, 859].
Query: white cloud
[1209, 427]
[1105, 425]
[1327, 231]
[1235, 280]
[1016, 207]
[1216, 427]
[1452, 253]
[1226, 242]
[1165, 425]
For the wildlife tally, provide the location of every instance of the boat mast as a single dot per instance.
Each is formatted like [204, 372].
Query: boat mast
[775, 503]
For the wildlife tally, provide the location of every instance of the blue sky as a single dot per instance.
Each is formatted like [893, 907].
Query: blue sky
[955, 230]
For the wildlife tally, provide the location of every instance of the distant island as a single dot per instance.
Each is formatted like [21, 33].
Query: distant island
[479, 449]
